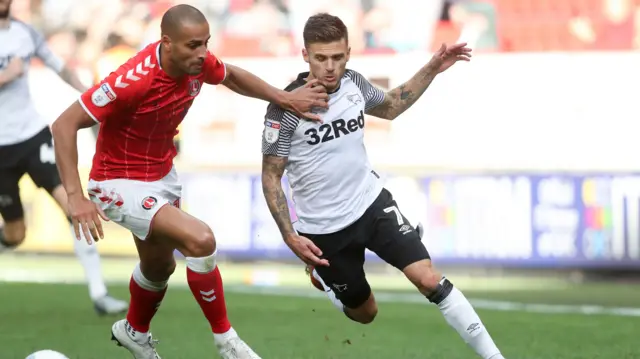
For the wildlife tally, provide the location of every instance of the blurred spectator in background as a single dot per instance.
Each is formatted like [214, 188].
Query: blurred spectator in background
[350, 11]
[264, 23]
[402, 25]
[94, 37]
[476, 21]
[615, 27]
[117, 51]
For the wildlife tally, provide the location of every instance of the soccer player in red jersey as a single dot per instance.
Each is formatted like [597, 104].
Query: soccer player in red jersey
[133, 181]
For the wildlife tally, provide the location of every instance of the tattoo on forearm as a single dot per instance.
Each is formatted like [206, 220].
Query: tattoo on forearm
[404, 96]
[272, 170]
[404, 93]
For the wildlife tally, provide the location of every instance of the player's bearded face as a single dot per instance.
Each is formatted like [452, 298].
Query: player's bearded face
[5, 5]
[327, 61]
[189, 50]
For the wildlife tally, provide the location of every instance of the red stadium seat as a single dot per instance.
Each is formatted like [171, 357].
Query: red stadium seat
[445, 32]
[240, 46]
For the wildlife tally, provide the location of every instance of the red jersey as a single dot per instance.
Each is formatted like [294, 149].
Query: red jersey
[139, 108]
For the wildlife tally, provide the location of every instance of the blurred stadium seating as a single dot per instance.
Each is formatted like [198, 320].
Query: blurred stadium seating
[496, 25]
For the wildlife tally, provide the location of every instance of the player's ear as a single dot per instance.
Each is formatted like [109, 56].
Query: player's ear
[305, 55]
[166, 42]
[348, 53]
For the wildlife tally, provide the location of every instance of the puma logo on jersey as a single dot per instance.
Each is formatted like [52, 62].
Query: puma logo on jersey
[329, 132]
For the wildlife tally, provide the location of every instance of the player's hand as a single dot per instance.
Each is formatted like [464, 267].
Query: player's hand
[85, 216]
[305, 250]
[446, 56]
[303, 100]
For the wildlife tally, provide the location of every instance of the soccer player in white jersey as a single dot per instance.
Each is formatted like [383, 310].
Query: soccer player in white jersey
[26, 146]
[340, 201]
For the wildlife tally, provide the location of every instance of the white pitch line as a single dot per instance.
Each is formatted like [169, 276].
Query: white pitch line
[388, 297]
[477, 303]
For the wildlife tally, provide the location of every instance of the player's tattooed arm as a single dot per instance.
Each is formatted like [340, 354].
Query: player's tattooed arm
[272, 171]
[404, 96]
[399, 99]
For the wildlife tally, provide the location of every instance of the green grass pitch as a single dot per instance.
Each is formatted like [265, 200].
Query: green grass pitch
[59, 316]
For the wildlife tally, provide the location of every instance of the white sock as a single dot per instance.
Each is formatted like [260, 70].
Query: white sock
[90, 259]
[459, 313]
[221, 338]
[332, 296]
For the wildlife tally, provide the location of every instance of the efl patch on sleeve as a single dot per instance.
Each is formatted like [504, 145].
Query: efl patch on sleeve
[271, 131]
[103, 95]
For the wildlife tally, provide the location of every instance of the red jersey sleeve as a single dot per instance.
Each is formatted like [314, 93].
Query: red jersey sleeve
[214, 70]
[115, 94]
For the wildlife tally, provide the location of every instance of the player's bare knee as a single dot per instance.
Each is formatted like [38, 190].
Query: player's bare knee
[14, 233]
[365, 314]
[201, 245]
[428, 282]
[202, 257]
[424, 276]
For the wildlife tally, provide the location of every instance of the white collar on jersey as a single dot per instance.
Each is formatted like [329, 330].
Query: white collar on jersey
[158, 56]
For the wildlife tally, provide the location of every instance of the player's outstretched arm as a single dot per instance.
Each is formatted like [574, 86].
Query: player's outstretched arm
[301, 101]
[399, 99]
[69, 76]
[54, 62]
[14, 69]
[83, 212]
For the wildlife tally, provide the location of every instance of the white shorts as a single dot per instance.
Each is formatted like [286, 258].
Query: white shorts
[133, 204]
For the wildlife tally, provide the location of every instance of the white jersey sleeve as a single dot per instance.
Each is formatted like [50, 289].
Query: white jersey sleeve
[373, 96]
[42, 50]
[279, 126]
[44, 53]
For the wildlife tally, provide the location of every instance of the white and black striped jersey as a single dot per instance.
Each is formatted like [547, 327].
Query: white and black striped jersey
[332, 180]
[19, 120]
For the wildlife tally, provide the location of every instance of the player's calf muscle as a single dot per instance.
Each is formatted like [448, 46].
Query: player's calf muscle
[157, 271]
[156, 268]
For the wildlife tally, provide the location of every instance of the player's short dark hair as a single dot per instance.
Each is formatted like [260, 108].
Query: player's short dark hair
[176, 15]
[324, 28]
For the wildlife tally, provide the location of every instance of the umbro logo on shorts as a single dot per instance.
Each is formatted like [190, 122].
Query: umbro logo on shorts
[149, 202]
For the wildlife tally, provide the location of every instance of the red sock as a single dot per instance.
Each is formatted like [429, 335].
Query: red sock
[142, 306]
[208, 291]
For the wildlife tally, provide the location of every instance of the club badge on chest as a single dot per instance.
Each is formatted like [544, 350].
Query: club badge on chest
[194, 87]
